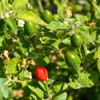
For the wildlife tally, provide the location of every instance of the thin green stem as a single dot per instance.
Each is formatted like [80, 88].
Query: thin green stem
[47, 89]
[19, 72]
[96, 7]
[97, 28]
[47, 3]
[24, 73]
[92, 16]
[8, 81]
[78, 70]
[85, 48]
[89, 64]
[79, 51]
[40, 5]
[20, 46]
[32, 40]
[10, 1]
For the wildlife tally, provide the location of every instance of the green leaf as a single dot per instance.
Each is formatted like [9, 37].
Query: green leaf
[98, 65]
[11, 67]
[56, 25]
[59, 86]
[98, 53]
[30, 17]
[62, 96]
[80, 18]
[96, 7]
[1, 40]
[81, 82]
[93, 35]
[61, 63]
[19, 4]
[94, 76]
[61, 12]
[23, 42]
[90, 56]
[84, 80]
[5, 4]
[33, 97]
[55, 44]
[1, 10]
[12, 23]
[42, 85]
[83, 30]
[37, 91]
[17, 54]
[4, 90]
[42, 60]
[44, 39]
[31, 55]
[66, 41]
[75, 85]
[24, 74]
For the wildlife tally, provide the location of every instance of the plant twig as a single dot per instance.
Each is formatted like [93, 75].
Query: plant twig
[91, 63]
[40, 5]
[79, 51]
[8, 81]
[47, 89]
[67, 89]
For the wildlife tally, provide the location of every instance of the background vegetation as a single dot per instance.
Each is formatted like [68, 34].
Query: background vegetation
[30, 38]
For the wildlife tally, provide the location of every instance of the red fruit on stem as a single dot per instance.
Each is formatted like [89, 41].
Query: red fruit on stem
[41, 73]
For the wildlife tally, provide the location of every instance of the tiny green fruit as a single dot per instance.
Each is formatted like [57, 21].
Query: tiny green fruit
[76, 40]
[30, 28]
[72, 59]
[47, 16]
[77, 8]
[56, 17]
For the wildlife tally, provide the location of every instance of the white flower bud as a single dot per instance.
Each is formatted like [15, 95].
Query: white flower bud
[21, 23]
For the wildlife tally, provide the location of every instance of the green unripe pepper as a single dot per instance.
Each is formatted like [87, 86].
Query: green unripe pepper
[47, 16]
[76, 40]
[72, 59]
[56, 17]
[30, 28]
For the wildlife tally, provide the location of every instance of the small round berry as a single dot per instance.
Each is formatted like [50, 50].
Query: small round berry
[41, 73]
[47, 16]
[76, 40]
[30, 28]
[72, 59]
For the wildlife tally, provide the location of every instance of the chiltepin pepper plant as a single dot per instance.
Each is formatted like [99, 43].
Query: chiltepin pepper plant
[49, 50]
